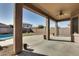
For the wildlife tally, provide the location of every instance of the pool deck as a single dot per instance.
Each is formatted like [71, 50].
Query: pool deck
[6, 42]
[57, 46]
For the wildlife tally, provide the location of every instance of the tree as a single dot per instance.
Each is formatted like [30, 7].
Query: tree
[40, 26]
[11, 26]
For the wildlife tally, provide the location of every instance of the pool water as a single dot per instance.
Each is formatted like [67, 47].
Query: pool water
[5, 36]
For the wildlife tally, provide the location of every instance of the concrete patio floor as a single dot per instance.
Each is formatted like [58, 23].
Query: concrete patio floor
[57, 46]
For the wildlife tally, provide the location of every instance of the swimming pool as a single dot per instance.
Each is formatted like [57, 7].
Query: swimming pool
[5, 36]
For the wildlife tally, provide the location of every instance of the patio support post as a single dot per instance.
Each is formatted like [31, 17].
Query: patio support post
[78, 24]
[57, 28]
[72, 31]
[18, 28]
[48, 28]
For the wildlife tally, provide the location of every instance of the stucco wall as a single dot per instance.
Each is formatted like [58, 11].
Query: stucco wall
[62, 31]
[6, 30]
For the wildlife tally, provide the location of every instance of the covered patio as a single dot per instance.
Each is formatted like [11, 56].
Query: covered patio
[53, 11]
[57, 46]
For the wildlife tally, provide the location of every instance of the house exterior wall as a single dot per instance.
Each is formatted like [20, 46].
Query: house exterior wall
[28, 26]
[6, 30]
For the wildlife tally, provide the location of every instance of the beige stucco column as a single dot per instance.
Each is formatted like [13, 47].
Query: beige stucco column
[47, 28]
[18, 28]
[57, 28]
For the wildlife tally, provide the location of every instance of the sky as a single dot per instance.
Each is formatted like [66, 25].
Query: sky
[6, 13]
[7, 16]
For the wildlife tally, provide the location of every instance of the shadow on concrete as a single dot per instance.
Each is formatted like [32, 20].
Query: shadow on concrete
[59, 40]
[28, 49]
[29, 53]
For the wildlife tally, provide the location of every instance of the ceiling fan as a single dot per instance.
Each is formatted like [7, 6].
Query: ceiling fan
[61, 12]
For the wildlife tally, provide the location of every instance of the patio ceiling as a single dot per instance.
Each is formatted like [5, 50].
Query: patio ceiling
[56, 11]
